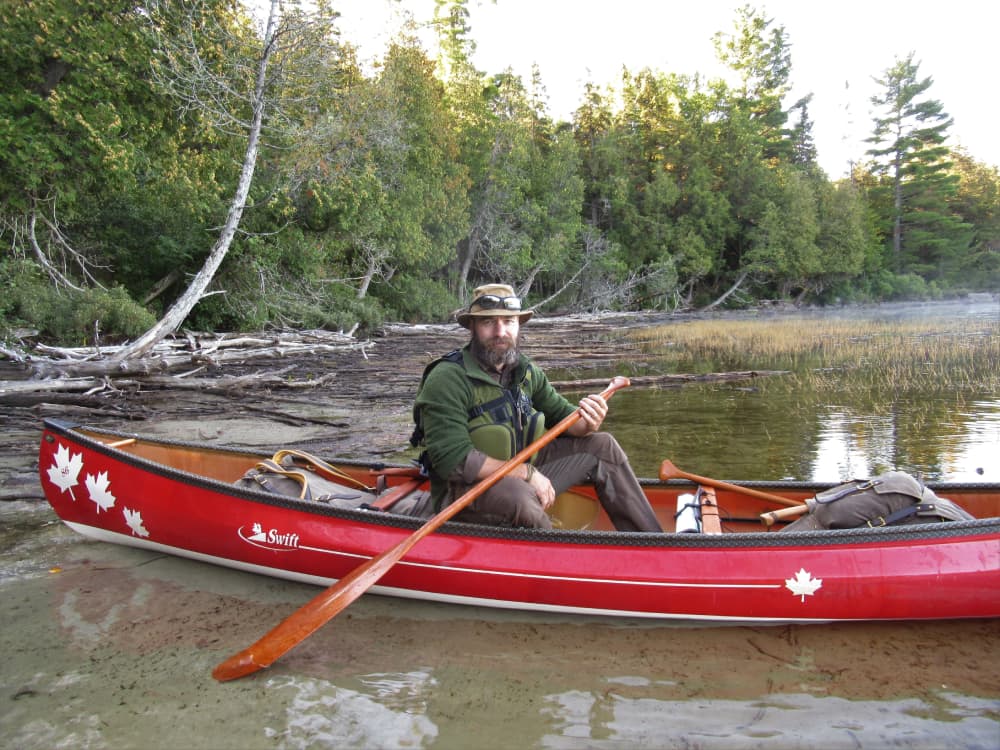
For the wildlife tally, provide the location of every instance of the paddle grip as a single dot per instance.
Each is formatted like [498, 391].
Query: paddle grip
[776, 515]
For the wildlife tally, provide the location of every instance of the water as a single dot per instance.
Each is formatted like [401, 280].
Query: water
[112, 647]
[785, 427]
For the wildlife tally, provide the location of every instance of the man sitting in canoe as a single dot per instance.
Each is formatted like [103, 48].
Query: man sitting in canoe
[479, 405]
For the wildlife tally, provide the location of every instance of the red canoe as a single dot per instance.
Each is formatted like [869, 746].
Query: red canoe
[182, 499]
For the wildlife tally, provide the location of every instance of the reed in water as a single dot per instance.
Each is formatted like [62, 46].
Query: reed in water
[924, 354]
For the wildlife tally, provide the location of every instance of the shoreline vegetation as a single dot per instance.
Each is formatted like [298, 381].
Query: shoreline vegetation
[165, 166]
[692, 346]
[926, 354]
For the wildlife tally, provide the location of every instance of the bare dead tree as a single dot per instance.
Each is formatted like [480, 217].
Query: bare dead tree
[177, 313]
[51, 248]
[730, 291]
[196, 84]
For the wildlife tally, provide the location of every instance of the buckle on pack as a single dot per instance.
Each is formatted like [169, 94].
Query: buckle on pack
[881, 519]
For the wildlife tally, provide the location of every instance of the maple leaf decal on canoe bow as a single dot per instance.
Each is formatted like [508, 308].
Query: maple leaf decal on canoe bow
[98, 488]
[803, 584]
[134, 520]
[64, 472]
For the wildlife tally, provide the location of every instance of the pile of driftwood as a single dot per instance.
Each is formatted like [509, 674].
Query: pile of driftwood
[180, 362]
[386, 366]
[339, 394]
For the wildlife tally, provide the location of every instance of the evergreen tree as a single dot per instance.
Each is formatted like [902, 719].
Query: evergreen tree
[803, 146]
[844, 239]
[760, 54]
[978, 203]
[912, 162]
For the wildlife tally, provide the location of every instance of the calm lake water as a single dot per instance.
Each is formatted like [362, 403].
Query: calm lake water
[111, 647]
[782, 427]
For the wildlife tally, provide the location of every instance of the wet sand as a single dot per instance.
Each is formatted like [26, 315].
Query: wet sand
[110, 647]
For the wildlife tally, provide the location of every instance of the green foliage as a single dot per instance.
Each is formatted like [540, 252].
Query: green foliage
[15, 274]
[78, 104]
[69, 317]
[784, 240]
[977, 201]
[413, 299]
[111, 312]
[880, 286]
[908, 286]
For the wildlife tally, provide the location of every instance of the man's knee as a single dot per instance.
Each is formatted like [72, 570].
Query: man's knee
[605, 447]
[511, 502]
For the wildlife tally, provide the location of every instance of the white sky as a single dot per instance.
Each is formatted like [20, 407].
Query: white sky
[837, 47]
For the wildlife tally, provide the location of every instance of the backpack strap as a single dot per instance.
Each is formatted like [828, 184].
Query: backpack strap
[309, 462]
[455, 357]
[839, 493]
[900, 514]
[494, 407]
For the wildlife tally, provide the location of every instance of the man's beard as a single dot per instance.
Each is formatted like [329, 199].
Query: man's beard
[494, 356]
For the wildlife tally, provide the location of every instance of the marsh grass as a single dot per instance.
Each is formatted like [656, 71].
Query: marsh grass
[913, 388]
[923, 355]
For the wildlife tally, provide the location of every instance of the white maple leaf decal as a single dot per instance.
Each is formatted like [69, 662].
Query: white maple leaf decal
[134, 520]
[803, 584]
[98, 487]
[64, 472]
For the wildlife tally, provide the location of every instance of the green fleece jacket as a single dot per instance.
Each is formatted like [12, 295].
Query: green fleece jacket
[447, 396]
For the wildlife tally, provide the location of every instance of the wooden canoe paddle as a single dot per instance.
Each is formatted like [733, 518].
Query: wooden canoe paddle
[318, 611]
[669, 471]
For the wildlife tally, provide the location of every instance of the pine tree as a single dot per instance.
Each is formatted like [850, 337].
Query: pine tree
[803, 144]
[912, 162]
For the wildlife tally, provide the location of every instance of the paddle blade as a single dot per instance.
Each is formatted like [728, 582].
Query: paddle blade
[239, 665]
[315, 613]
[289, 633]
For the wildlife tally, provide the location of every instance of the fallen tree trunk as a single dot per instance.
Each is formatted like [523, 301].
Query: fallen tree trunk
[672, 380]
[49, 363]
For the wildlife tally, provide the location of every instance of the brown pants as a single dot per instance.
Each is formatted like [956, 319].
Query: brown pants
[567, 461]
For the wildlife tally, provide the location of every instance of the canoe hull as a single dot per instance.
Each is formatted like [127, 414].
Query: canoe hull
[929, 571]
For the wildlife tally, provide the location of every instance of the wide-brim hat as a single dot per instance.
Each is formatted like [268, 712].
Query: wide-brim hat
[491, 301]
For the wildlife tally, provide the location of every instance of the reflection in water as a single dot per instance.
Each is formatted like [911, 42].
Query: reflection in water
[611, 720]
[854, 446]
[385, 710]
[836, 454]
[86, 626]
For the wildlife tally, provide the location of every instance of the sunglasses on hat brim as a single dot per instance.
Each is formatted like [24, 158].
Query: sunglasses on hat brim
[493, 302]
